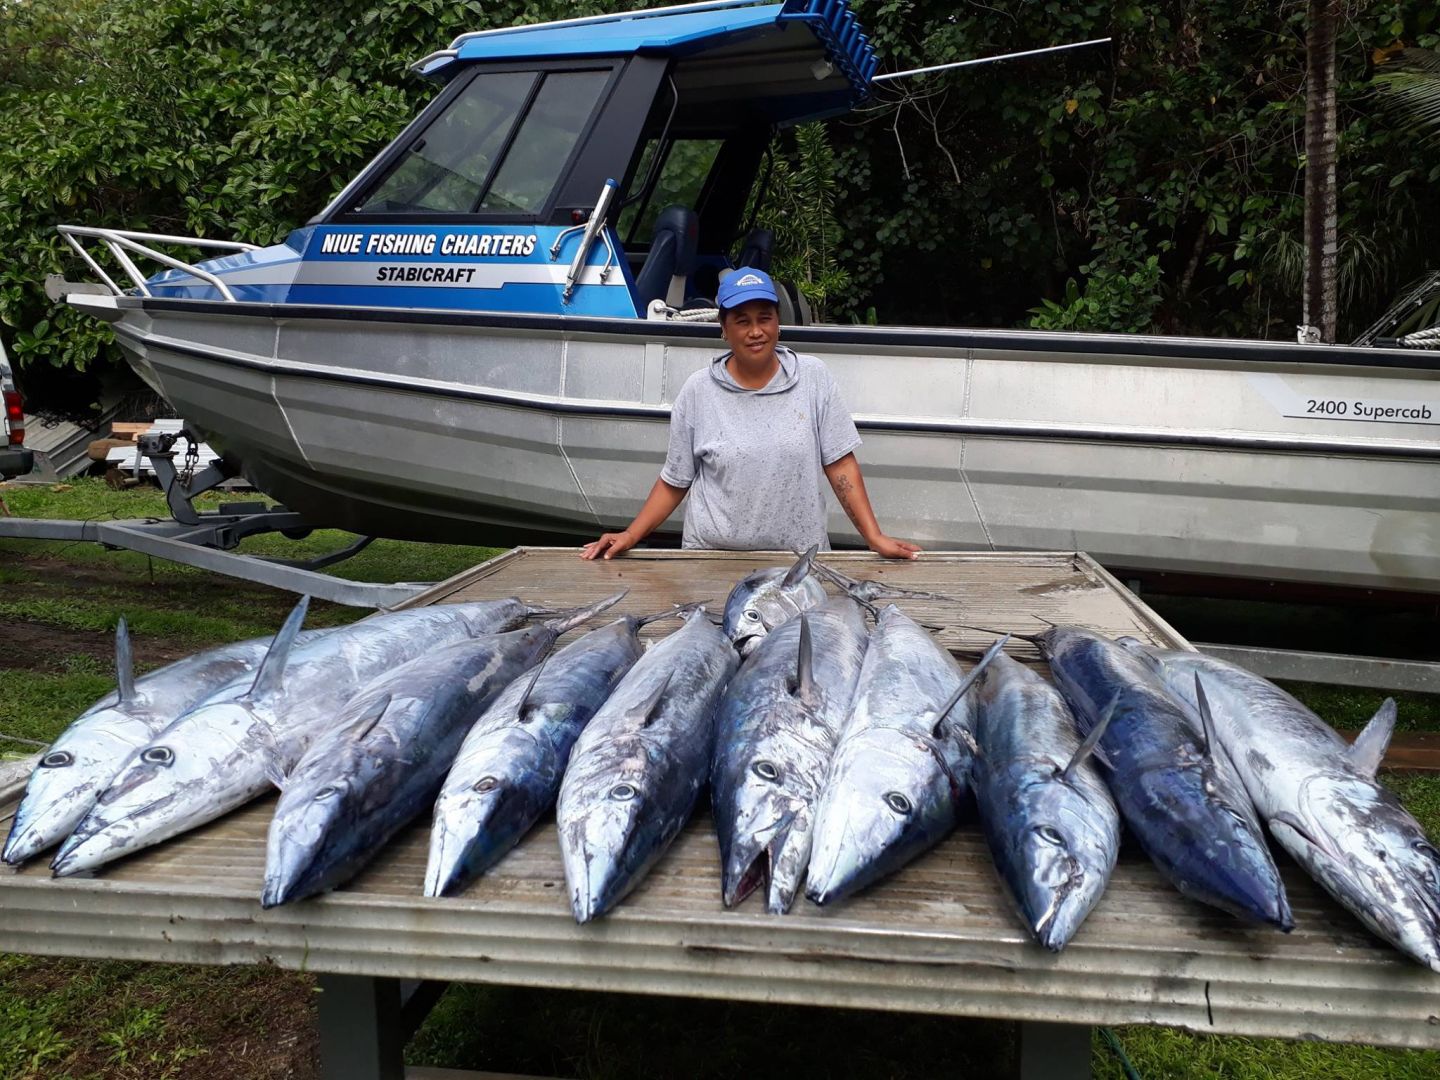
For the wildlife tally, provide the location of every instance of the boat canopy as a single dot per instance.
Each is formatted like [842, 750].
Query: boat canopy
[794, 61]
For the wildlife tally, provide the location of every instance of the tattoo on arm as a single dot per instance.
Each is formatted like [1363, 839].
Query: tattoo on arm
[843, 490]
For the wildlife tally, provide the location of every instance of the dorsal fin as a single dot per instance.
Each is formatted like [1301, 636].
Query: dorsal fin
[272, 668]
[804, 685]
[1374, 740]
[645, 711]
[367, 720]
[800, 570]
[1207, 721]
[936, 729]
[1090, 742]
[124, 662]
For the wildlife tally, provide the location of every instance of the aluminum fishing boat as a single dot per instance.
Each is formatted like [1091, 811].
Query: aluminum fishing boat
[481, 336]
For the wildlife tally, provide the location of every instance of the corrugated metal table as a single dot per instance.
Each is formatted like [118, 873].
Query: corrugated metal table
[938, 938]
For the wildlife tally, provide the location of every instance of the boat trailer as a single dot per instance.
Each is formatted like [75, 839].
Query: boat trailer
[207, 539]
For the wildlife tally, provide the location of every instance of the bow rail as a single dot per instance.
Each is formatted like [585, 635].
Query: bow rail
[120, 242]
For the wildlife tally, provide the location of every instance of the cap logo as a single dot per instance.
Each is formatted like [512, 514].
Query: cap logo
[751, 279]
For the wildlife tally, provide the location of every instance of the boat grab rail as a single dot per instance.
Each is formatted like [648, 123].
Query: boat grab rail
[121, 241]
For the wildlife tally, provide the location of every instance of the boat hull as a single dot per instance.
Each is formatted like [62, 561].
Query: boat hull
[1156, 454]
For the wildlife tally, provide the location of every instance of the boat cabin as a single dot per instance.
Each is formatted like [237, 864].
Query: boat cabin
[590, 167]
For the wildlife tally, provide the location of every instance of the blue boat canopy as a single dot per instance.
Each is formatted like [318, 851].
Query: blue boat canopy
[790, 62]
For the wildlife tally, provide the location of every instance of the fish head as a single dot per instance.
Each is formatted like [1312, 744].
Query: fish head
[766, 802]
[1204, 834]
[603, 841]
[1354, 837]
[762, 601]
[310, 818]
[1056, 857]
[889, 796]
[501, 785]
[164, 788]
[71, 775]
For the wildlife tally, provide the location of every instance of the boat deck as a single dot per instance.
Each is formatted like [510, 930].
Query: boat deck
[939, 937]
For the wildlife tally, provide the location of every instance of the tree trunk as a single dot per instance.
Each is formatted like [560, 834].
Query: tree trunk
[1321, 303]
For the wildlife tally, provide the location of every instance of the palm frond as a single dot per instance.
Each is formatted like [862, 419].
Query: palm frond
[1409, 83]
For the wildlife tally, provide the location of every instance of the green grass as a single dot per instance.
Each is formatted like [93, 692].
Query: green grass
[83, 1020]
[39, 705]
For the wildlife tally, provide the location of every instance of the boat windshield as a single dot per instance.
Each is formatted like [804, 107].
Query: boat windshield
[499, 146]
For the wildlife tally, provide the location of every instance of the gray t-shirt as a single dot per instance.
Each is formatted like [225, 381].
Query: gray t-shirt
[753, 459]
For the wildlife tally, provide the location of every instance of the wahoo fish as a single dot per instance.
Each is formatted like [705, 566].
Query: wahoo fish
[1171, 785]
[776, 733]
[1048, 818]
[379, 764]
[87, 755]
[638, 766]
[215, 757]
[899, 773]
[1320, 797]
[509, 767]
[767, 598]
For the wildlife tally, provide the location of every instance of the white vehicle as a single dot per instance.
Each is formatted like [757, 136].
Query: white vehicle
[15, 460]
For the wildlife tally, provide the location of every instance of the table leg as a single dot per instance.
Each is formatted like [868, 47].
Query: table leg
[360, 1036]
[1054, 1051]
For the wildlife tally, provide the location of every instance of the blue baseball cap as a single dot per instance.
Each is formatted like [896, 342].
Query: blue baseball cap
[745, 284]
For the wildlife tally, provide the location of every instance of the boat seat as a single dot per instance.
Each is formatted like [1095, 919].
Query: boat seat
[759, 250]
[671, 259]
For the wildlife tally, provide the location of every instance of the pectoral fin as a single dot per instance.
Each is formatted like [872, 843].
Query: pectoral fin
[1207, 721]
[648, 709]
[804, 685]
[1090, 744]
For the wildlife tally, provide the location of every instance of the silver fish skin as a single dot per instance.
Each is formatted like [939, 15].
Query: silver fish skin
[80, 764]
[1321, 800]
[1050, 823]
[1197, 825]
[508, 770]
[218, 756]
[379, 765]
[895, 784]
[638, 767]
[769, 598]
[776, 734]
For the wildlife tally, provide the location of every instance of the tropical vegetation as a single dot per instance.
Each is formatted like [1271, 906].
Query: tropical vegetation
[1152, 184]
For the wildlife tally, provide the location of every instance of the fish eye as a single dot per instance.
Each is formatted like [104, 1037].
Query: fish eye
[485, 783]
[623, 792]
[158, 755]
[329, 791]
[1050, 835]
[753, 616]
[897, 802]
[766, 770]
[57, 759]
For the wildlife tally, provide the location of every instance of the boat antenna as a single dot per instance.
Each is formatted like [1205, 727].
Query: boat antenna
[988, 59]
